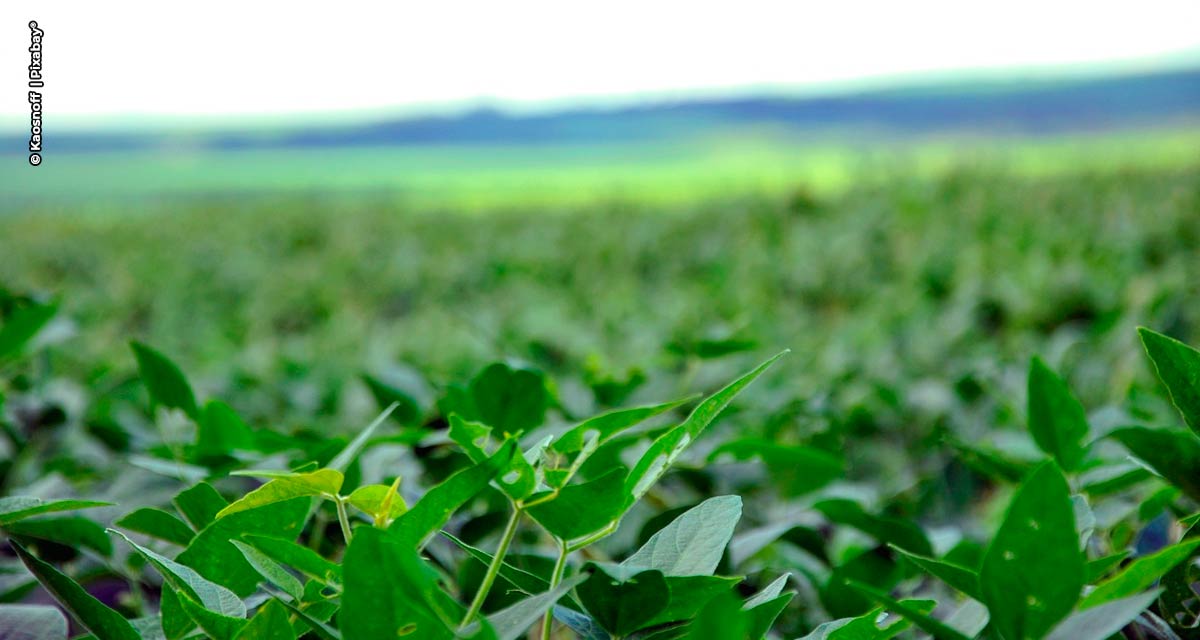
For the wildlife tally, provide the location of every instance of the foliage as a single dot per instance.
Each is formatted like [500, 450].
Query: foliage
[1005, 498]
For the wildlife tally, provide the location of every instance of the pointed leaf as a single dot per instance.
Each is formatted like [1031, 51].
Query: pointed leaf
[299, 557]
[664, 450]
[580, 509]
[320, 483]
[1178, 366]
[374, 499]
[213, 555]
[269, 623]
[164, 381]
[71, 531]
[17, 508]
[157, 523]
[1140, 574]
[926, 622]
[104, 623]
[432, 511]
[692, 545]
[270, 570]
[1033, 571]
[1174, 455]
[199, 504]
[1056, 419]
[961, 578]
[184, 579]
[603, 427]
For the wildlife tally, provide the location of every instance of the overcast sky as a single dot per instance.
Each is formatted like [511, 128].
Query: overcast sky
[106, 60]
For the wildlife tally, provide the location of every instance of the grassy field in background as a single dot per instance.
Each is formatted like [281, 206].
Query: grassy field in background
[474, 178]
[530, 292]
[890, 281]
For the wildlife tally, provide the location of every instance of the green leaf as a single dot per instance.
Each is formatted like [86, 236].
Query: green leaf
[174, 619]
[213, 555]
[373, 499]
[104, 623]
[525, 581]
[391, 592]
[221, 431]
[1174, 455]
[512, 622]
[769, 592]
[721, 618]
[270, 622]
[687, 594]
[1140, 574]
[157, 523]
[595, 431]
[341, 462]
[1178, 604]
[271, 570]
[509, 400]
[1101, 622]
[473, 437]
[762, 616]
[961, 578]
[320, 483]
[1033, 571]
[184, 579]
[886, 529]
[318, 627]
[693, 543]
[32, 622]
[583, 508]
[518, 480]
[164, 381]
[199, 504]
[926, 622]
[299, 557]
[70, 531]
[432, 511]
[17, 508]
[625, 602]
[21, 326]
[1056, 418]
[1100, 567]
[1178, 366]
[664, 450]
[215, 625]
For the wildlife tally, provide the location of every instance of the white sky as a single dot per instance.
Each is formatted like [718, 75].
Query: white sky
[136, 59]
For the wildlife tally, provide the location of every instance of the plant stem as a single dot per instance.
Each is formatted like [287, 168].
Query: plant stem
[493, 569]
[595, 537]
[560, 567]
[343, 518]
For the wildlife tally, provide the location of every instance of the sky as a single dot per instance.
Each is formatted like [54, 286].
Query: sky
[151, 61]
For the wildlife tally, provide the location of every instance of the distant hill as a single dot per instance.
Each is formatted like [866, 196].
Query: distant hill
[1038, 107]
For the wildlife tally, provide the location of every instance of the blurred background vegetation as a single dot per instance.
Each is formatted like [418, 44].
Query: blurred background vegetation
[914, 245]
